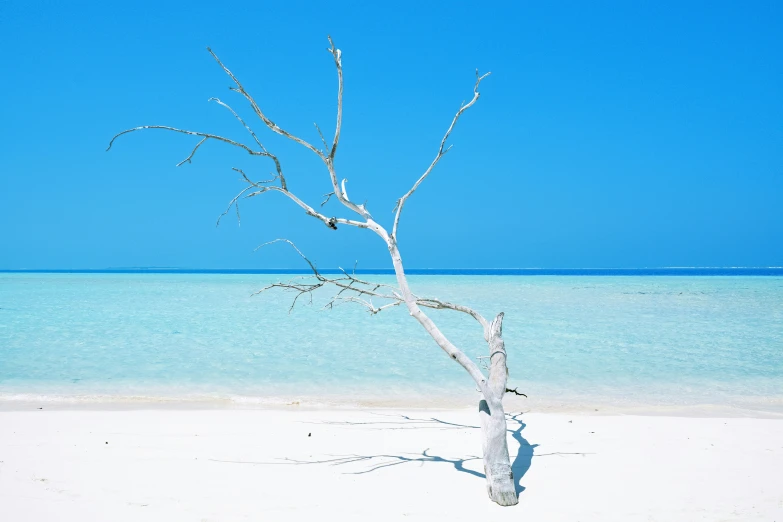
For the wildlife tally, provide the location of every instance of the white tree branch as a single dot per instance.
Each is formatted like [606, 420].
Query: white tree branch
[337, 54]
[328, 156]
[344, 190]
[261, 188]
[330, 222]
[339, 191]
[415, 311]
[429, 302]
[269, 123]
[203, 135]
[238, 117]
[442, 150]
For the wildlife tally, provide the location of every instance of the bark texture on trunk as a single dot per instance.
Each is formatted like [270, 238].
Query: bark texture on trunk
[497, 464]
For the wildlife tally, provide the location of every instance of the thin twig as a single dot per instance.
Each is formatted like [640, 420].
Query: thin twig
[233, 202]
[190, 156]
[191, 133]
[245, 125]
[253, 183]
[321, 134]
[358, 288]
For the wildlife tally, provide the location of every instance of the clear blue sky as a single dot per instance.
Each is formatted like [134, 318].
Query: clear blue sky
[610, 134]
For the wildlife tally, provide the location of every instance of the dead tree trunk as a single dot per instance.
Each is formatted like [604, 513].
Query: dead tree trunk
[497, 466]
[497, 463]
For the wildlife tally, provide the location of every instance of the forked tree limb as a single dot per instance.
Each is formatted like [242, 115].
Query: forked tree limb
[326, 156]
[255, 138]
[192, 153]
[260, 188]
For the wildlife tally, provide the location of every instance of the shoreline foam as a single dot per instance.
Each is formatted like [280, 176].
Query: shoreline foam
[757, 407]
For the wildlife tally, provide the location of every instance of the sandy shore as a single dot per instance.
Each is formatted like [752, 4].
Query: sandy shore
[225, 465]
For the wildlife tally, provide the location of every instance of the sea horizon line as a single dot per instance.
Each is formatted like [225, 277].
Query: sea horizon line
[670, 270]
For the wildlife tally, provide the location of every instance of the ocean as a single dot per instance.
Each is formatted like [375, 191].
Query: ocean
[624, 340]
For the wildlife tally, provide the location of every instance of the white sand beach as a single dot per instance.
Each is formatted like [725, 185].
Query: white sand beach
[226, 465]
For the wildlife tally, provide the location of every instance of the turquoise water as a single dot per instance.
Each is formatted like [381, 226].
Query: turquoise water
[654, 340]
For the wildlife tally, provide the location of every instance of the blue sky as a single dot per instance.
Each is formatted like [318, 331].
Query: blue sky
[610, 134]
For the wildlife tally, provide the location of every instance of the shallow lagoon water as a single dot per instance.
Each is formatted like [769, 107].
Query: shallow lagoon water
[655, 341]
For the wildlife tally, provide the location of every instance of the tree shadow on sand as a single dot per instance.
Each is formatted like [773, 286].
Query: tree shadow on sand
[520, 465]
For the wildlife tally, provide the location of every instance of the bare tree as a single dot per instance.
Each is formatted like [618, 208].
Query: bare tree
[349, 288]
